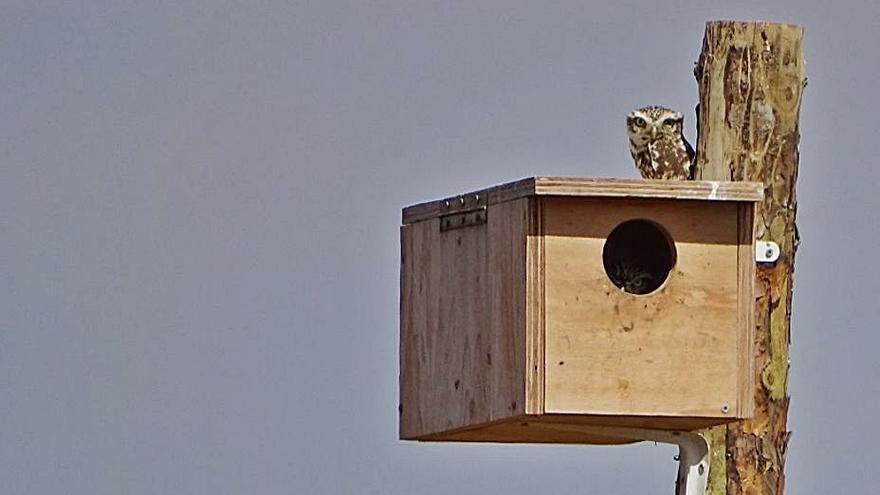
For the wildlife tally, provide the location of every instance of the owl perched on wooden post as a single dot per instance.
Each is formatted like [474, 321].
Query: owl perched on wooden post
[657, 144]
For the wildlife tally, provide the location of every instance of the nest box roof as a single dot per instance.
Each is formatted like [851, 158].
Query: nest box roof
[588, 187]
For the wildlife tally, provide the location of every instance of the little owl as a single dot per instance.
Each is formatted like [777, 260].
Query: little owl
[657, 144]
[660, 152]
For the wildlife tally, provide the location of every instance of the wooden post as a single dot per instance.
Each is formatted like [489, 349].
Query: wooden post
[751, 77]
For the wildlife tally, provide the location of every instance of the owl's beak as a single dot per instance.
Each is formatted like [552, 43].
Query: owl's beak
[653, 132]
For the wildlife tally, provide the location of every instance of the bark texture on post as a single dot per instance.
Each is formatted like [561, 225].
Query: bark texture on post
[751, 78]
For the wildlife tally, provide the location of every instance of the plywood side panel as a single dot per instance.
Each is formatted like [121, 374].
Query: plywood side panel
[419, 329]
[463, 322]
[506, 355]
[746, 310]
[527, 429]
[557, 428]
[535, 308]
[670, 353]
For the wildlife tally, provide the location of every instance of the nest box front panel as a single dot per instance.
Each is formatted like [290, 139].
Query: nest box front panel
[673, 351]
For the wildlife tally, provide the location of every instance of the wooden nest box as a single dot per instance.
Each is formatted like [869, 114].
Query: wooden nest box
[531, 309]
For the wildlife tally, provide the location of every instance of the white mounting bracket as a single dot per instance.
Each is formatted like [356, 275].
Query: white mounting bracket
[693, 453]
[766, 251]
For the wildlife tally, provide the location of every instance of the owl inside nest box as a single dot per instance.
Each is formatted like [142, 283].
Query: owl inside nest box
[538, 310]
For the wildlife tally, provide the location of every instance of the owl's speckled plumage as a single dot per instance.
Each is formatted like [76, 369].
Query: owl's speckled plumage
[657, 144]
[631, 277]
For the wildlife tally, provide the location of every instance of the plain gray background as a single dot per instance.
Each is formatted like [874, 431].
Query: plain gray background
[200, 208]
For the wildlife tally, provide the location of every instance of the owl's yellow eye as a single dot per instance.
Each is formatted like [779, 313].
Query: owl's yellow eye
[669, 122]
[639, 122]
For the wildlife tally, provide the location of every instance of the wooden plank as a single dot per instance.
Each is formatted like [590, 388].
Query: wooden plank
[746, 310]
[535, 308]
[463, 322]
[586, 187]
[507, 313]
[467, 201]
[564, 429]
[669, 353]
[525, 429]
[418, 326]
[643, 188]
[444, 377]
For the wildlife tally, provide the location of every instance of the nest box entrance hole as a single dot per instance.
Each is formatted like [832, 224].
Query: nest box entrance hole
[638, 256]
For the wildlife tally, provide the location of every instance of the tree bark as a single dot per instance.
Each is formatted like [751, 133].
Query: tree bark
[751, 78]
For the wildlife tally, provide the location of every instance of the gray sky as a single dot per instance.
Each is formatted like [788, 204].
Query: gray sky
[200, 204]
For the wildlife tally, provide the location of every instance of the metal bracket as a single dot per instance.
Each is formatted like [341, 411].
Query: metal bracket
[464, 219]
[766, 251]
[464, 211]
[693, 453]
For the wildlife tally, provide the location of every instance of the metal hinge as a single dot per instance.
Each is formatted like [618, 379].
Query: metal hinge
[464, 211]
[463, 219]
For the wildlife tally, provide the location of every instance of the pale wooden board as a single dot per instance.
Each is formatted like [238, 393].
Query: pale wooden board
[535, 309]
[507, 229]
[587, 187]
[557, 428]
[746, 311]
[525, 430]
[463, 320]
[671, 353]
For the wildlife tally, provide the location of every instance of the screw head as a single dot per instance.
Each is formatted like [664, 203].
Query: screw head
[725, 408]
